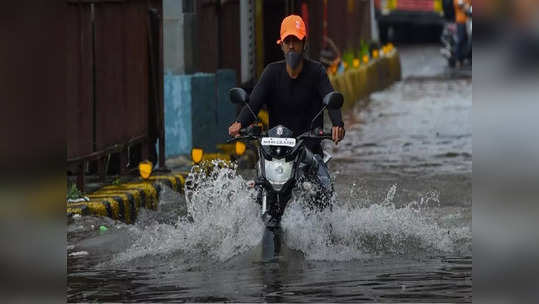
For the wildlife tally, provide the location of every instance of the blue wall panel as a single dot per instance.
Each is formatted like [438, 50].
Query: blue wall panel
[226, 111]
[204, 115]
[177, 101]
[198, 111]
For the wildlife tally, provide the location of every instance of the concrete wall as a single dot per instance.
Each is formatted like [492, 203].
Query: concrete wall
[178, 127]
[198, 111]
[179, 34]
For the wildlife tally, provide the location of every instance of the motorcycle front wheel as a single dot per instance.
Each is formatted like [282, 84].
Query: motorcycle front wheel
[271, 243]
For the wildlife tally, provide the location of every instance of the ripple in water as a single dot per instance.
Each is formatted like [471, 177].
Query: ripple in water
[224, 222]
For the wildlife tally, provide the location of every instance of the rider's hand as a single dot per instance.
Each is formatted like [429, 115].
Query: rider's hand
[234, 129]
[337, 134]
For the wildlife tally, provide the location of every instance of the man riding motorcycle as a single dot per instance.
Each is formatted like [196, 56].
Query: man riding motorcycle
[293, 90]
[461, 17]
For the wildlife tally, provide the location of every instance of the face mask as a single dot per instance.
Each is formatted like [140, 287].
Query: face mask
[293, 59]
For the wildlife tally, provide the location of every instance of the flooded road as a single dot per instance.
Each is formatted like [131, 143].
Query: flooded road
[400, 229]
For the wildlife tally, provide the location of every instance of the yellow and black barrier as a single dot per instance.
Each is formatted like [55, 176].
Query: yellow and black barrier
[360, 82]
[122, 202]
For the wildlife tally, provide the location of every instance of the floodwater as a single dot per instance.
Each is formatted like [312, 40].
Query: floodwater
[400, 229]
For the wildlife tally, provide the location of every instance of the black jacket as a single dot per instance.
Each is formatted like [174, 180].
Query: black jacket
[292, 103]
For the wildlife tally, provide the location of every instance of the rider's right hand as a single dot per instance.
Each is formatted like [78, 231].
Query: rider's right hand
[234, 129]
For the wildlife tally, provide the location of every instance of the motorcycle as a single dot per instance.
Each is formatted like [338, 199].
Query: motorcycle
[449, 41]
[284, 166]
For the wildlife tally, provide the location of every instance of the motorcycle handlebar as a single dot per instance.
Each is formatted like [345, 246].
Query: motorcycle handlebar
[245, 135]
[248, 137]
[321, 135]
[327, 135]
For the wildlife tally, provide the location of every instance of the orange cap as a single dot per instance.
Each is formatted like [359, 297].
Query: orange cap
[292, 25]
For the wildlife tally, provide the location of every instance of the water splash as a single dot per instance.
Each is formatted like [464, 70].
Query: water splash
[222, 220]
[355, 231]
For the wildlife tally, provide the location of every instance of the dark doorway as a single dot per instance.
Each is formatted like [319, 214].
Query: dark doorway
[274, 12]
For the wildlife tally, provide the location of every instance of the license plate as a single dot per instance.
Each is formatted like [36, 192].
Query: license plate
[278, 141]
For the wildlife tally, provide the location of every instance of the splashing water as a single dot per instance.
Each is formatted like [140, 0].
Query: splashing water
[223, 221]
[349, 231]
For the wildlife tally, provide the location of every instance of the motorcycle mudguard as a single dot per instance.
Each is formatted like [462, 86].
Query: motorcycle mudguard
[323, 173]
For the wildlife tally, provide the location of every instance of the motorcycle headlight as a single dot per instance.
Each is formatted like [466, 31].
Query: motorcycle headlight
[278, 172]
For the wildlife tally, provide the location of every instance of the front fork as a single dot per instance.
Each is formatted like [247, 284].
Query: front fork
[272, 206]
[264, 202]
[267, 209]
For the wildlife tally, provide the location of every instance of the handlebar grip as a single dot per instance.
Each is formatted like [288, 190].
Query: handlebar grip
[326, 135]
[317, 134]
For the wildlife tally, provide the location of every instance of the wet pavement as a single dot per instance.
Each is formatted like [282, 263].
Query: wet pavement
[417, 126]
[400, 229]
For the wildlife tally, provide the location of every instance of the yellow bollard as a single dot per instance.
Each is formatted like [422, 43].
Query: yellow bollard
[365, 59]
[240, 148]
[196, 155]
[145, 169]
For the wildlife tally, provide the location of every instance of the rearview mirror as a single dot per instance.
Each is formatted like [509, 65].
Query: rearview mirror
[238, 96]
[333, 100]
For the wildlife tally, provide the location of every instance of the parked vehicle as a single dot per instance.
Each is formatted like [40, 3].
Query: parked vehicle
[397, 13]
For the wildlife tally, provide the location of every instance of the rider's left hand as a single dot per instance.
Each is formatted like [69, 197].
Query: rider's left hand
[337, 134]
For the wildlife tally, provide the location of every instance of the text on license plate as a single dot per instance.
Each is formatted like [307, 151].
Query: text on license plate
[278, 141]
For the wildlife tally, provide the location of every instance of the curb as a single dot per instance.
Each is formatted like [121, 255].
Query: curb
[358, 83]
[122, 202]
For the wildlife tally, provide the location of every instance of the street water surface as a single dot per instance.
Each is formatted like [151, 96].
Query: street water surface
[400, 229]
